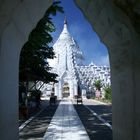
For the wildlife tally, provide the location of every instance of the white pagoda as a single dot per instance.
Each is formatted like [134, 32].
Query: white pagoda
[73, 77]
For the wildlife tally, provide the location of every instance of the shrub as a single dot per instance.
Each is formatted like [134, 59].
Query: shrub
[108, 94]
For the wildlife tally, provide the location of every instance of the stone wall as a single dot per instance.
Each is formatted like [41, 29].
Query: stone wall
[17, 19]
[116, 30]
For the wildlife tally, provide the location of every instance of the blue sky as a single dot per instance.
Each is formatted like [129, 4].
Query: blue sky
[94, 50]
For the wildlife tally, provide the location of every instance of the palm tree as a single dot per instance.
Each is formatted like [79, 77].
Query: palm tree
[98, 84]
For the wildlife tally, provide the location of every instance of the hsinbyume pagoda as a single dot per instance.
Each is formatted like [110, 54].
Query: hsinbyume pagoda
[73, 77]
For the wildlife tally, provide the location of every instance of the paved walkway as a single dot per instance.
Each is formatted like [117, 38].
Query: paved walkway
[36, 129]
[66, 124]
[96, 129]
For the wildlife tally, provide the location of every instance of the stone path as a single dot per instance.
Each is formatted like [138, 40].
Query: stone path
[96, 129]
[66, 124]
[36, 129]
[102, 110]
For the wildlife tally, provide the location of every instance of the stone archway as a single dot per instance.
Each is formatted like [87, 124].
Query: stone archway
[115, 30]
[17, 18]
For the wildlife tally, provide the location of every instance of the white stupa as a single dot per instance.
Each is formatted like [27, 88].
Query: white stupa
[72, 75]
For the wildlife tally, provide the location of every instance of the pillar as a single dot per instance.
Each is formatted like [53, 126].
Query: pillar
[75, 88]
[60, 89]
[56, 89]
[71, 88]
[125, 78]
[123, 42]
[18, 19]
[9, 59]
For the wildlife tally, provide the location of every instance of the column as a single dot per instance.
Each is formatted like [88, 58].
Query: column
[71, 88]
[123, 42]
[56, 90]
[15, 30]
[75, 88]
[60, 90]
[9, 62]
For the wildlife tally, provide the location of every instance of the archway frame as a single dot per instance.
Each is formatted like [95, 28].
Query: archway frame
[115, 30]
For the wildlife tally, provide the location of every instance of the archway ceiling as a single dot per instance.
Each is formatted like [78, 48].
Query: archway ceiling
[128, 8]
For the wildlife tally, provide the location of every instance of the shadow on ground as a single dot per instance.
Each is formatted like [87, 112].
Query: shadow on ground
[104, 111]
[94, 127]
[36, 129]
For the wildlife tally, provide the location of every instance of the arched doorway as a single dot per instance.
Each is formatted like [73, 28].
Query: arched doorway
[65, 90]
[115, 30]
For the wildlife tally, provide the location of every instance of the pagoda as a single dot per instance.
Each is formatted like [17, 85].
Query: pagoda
[73, 76]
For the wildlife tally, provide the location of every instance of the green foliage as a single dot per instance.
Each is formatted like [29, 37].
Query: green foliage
[35, 52]
[108, 94]
[98, 84]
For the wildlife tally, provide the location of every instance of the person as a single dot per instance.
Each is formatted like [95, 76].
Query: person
[98, 94]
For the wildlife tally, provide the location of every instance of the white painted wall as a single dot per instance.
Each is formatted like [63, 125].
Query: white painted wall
[17, 18]
[114, 28]
[116, 31]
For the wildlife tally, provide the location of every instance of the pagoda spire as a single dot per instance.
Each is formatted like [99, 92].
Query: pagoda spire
[65, 20]
[65, 32]
[65, 23]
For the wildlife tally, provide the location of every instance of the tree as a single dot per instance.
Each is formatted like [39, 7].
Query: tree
[33, 64]
[98, 84]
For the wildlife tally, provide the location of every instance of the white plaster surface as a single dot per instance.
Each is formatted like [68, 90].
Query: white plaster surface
[116, 30]
[66, 124]
[68, 64]
[17, 19]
